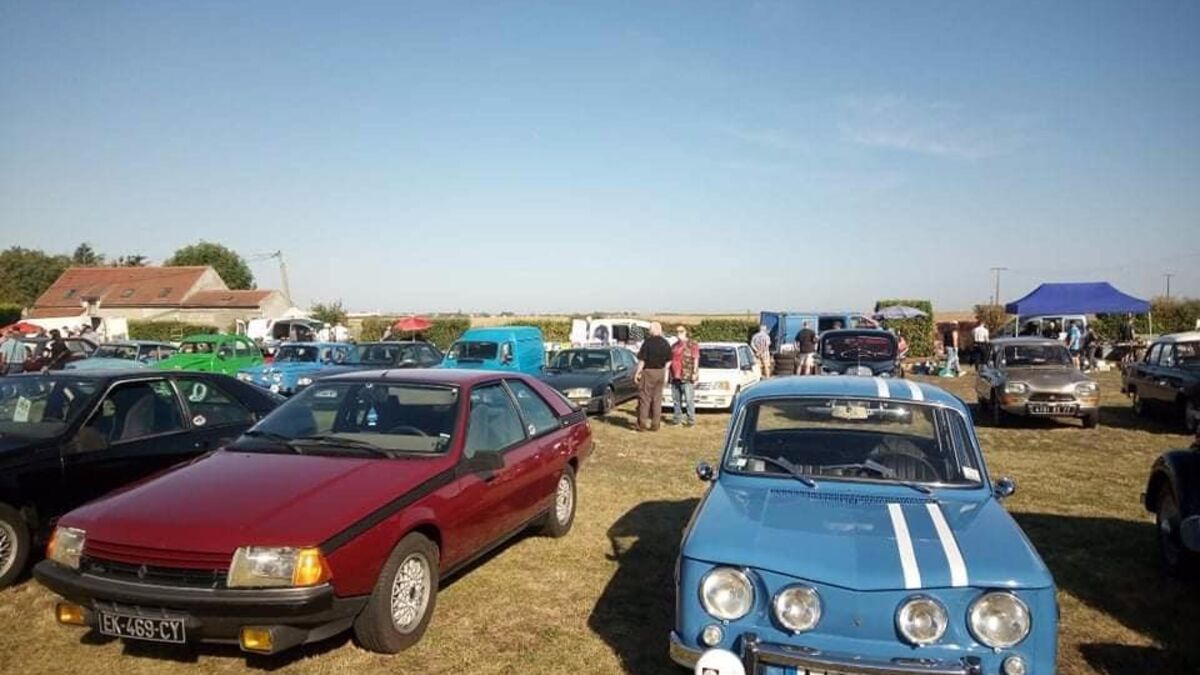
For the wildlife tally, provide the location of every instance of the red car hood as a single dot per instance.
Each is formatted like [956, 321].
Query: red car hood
[231, 499]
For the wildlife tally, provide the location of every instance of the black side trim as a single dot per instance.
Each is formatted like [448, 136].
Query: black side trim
[386, 511]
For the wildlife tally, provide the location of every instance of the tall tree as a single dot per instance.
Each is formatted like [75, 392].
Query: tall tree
[331, 313]
[135, 260]
[26, 273]
[231, 266]
[86, 256]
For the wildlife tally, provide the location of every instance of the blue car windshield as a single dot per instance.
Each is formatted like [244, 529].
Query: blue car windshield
[856, 439]
[384, 354]
[473, 350]
[858, 347]
[124, 352]
[295, 354]
[345, 417]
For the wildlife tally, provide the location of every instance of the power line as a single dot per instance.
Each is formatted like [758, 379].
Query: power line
[996, 271]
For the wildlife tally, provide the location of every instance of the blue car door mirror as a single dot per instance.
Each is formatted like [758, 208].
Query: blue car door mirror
[1005, 487]
[704, 471]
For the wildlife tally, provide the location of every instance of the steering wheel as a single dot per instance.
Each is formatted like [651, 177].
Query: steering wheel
[407, 427]
[906, 466]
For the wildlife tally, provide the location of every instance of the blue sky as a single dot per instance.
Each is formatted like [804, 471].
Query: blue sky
[651, 156]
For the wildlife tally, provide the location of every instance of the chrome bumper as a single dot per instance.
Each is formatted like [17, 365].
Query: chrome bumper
[755, 654]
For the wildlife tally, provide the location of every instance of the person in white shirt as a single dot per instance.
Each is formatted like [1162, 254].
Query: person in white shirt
[980, 336]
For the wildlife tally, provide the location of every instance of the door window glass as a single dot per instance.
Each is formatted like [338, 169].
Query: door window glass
[1153, 354]
[1167, 360]
[537, 413]
[209, 405]
[494, 424]
[133, 411]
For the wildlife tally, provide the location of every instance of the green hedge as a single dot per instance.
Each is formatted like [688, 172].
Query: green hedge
[9, 313]
[723, 330]
[442, 333]
[166, 331]
[552, 331]
[917, 332]
[1173, 315]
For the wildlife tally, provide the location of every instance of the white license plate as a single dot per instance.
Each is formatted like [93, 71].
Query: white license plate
[1053, 408]
[143, 628]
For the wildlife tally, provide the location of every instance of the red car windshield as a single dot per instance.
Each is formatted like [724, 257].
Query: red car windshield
[344, 416]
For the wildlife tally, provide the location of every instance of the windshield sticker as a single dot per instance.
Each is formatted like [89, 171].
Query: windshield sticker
[372, 417]
[199, 420]
[21, 413]
[971, 474]
[326, 393]
[199, 393]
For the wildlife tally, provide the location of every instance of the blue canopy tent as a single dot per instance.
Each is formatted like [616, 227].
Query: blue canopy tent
[1076, 298]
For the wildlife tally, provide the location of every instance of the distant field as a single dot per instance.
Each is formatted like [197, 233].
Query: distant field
[600, 600]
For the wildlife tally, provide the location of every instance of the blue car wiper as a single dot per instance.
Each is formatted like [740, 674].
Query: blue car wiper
[786, 466]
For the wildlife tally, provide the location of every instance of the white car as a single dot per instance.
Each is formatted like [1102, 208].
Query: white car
[725, 369]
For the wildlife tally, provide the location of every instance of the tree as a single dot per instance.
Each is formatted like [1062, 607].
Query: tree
[135, 260]
[86, 256]
[26, 273]
[231, 266]
[992, 316]
[331, 313]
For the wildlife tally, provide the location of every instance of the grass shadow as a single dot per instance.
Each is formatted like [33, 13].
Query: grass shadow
[191, 653]
[1154, 421]
[1112, 565]
[1114, 659]
[635, 613]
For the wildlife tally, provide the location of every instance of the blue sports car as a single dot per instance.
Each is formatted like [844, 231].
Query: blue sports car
[295, 361]
[852, 527]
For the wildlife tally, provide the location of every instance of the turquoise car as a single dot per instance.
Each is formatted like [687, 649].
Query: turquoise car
[517, 349]
[852, 527]
[135, 354]
[294, 361]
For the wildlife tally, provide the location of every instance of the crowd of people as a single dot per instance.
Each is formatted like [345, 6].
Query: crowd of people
[53, 347]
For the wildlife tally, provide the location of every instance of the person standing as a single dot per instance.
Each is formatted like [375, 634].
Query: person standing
[760, 344]
[1090, 343]
[950, 345]
[12, 354]
[57, 352]
[806, 350]
[653, 358]
[1074, 341]
[980, 336]
[685, 371]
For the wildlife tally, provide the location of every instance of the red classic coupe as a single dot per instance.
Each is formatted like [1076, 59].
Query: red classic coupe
[343, 508]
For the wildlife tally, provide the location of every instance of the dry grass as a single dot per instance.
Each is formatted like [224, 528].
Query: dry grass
[600, 600]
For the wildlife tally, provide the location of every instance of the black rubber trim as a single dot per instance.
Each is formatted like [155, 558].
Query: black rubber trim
[241, 602]
[386, 511]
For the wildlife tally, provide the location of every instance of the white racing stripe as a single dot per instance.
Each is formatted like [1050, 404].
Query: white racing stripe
[881, 388]
[908, 557]
[958, 568]
[915, 391]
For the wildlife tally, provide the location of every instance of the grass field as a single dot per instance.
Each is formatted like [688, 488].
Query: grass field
[600, 600]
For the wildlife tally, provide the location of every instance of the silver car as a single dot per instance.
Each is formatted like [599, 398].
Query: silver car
[1034, 377]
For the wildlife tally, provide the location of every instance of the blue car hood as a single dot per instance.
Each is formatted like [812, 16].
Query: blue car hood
[840, 536]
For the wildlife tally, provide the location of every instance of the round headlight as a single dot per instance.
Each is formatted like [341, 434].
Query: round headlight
[922, 620]
[726, 593]
[1016, 388]
[798, 608]
[999, 620]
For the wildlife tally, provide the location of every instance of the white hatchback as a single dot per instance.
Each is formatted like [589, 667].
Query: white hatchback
[725, 369]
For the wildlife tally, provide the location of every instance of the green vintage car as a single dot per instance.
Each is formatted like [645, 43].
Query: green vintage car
[214, 354]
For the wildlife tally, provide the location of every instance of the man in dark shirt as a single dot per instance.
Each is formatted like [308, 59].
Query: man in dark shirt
[57, 352]
[651, 375]
[806, 350]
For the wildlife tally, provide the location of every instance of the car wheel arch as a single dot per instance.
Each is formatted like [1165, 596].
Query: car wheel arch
[1158, 481]
[428, 529]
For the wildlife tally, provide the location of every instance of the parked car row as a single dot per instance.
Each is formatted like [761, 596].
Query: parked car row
[287, 522]
[1167, 379]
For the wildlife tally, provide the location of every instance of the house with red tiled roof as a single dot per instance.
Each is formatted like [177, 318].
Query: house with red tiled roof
[192, 294]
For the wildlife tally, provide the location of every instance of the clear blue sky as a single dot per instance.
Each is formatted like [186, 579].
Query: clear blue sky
[687, 156]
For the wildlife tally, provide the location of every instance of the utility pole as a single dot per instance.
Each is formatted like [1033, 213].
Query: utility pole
[996, 271]
[1168, 276]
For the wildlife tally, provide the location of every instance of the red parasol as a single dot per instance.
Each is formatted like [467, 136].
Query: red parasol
[22, 327]
[412, 324]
